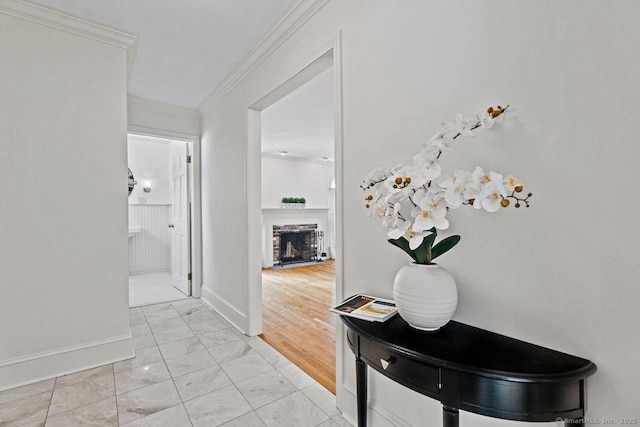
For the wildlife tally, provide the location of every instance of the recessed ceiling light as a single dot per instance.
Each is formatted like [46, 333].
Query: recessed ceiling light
[283, 153]
[325, 159]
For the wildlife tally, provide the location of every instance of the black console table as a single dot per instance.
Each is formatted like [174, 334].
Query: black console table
[471, 369]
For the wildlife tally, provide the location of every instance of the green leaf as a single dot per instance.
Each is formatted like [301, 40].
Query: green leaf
[403, 244]
[444, 245]
[423, 252]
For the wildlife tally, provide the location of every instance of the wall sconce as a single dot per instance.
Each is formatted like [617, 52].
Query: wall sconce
[147, 187]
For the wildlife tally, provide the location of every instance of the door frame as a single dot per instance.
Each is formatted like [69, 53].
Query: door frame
[195, 197]
[308, 69]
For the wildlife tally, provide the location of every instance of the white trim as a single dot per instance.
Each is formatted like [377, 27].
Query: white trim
[228, 311]
[298, 159]
[139, 272]
[50, 364]
[63, 22]
[376, 415]
[161, 106]
[195, 197]
[72, 25]
[339, 205]
[313, 63]
[161, 133]
[131, 59]
[292, 21]
[44, 354]
[253, 195]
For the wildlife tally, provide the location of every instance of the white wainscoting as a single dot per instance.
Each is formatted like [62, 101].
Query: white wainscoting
[150, 250]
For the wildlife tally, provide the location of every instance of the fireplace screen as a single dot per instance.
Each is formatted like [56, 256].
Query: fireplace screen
[295, 245]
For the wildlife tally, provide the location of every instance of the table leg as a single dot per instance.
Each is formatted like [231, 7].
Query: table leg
[575, 422]
[450, 417]
[361, 392]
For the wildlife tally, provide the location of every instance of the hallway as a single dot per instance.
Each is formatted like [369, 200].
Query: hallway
[191, 368]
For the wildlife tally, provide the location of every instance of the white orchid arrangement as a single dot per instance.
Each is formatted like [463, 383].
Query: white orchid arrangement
[421, 190]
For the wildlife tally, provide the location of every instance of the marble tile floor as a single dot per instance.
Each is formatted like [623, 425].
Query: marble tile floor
[191, 369]
[152, 288]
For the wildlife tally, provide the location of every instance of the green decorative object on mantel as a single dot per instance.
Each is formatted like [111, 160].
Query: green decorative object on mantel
[293, 202]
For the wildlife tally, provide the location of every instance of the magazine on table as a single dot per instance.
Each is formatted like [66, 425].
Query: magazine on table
[367, 307]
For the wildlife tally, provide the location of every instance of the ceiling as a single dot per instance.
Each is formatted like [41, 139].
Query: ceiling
[185, 48]
[302, 123]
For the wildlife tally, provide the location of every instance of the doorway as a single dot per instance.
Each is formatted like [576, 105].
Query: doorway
[159, 220]
[268, 217]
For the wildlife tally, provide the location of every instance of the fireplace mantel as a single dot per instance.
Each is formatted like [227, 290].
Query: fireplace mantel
[292, 213]
[271, 217]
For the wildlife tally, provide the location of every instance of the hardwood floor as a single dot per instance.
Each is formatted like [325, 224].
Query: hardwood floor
[297, 321]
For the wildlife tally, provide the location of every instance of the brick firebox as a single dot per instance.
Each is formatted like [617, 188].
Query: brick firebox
[304, 236]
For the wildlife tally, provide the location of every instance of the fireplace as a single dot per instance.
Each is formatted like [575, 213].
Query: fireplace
[295, 243]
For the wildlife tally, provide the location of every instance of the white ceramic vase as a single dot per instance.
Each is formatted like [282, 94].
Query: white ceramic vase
[426, 296]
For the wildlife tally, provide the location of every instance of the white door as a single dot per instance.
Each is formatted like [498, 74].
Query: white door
[180, 220]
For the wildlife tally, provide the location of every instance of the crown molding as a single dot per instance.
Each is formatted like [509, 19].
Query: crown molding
[72, 25]
[301, 12]
[161, 106]
[60, 21]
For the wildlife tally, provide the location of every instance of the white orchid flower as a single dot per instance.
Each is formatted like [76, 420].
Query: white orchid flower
[456, 188]
[393, 198]
[498, 181]
[377, 208]
[407, 179]
[430, 213]
[462, 126]
[427, 159]
[511, 182]
[441, 141]
[377, 174]
[485, 119]
[480, 178]
[471, 191]
[391, 214]
[399, 229]
[427, 156]
[490, 197]
[415, 238]
[433, 192]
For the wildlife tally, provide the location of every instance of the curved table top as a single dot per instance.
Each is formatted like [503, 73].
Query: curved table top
[469, 349]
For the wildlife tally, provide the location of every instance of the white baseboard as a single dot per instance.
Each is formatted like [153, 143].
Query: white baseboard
[43, 366]
[376, 414]
[159, 270]
[225, 309]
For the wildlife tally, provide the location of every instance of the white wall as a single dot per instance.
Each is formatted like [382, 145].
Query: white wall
[63, 161]
[561, 274]
[150, 160]
[295, 178]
